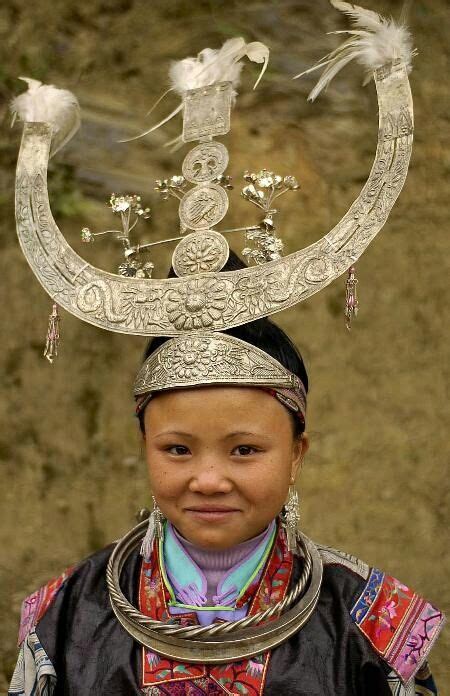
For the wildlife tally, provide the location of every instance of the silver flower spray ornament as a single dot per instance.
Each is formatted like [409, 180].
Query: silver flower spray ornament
[127, 207]
[261, 190]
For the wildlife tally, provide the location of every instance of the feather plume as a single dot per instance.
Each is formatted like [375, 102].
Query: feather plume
[210, 66]
[376, 41]
[217, 65]
[48, 104]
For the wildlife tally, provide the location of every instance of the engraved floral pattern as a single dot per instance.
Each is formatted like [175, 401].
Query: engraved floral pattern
[198, 304]
[190, 358]
[200, 252]
[257, 294]
[199, 256]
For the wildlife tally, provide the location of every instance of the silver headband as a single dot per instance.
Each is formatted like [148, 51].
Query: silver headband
[212, 359]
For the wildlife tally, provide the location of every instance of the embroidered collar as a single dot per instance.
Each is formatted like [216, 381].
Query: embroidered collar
[187, 583]
[162, 674]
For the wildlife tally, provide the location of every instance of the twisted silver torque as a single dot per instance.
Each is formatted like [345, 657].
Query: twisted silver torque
[222, 642]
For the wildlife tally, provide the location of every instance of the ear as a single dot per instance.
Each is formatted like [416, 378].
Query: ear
[299, 450]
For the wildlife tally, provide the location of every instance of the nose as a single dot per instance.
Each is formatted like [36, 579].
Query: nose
[210, 478]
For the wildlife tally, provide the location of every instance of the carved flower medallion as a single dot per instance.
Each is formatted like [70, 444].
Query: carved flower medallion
[200, 252]
[189, 359]
[198, 304]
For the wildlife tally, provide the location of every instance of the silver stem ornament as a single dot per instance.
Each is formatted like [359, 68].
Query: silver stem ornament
[127, 207]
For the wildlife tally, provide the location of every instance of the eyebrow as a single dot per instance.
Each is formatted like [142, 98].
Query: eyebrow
[243, 432]
[180, 433]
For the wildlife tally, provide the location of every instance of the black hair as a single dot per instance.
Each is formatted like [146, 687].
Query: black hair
[262, 333]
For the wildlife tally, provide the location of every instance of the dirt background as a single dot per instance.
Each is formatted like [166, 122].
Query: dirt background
[376, 479]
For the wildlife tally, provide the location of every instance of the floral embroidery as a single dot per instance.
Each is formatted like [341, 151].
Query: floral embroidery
[35, 606]
[399, 623]
[162, 676]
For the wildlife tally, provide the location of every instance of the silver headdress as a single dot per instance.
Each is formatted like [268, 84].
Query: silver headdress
[201, 298]
[202, 301]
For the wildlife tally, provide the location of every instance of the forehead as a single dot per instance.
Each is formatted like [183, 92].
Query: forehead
[216, 405]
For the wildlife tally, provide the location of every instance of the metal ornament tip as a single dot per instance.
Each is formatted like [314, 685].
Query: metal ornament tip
[351, 300]
[53, 335]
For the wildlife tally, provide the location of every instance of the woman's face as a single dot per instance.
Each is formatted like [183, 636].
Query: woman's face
[220, 461]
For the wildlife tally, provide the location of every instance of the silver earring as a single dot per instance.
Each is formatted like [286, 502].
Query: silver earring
[291, 518]
[154, 530]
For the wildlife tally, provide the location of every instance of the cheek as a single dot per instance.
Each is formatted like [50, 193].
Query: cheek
[267, 483]
[165, 479]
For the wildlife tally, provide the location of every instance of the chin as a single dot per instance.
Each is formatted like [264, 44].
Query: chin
[208, 539]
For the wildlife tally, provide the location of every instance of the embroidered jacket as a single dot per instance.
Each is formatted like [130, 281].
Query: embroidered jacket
[368, 636]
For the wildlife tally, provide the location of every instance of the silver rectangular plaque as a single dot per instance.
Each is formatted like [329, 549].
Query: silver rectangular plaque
[207, 111]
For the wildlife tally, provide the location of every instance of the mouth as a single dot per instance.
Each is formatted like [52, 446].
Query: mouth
[212, 513]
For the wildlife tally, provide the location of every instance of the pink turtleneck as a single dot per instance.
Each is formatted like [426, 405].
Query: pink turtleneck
[214, 564]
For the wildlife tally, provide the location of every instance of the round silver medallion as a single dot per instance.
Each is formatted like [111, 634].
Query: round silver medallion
[203, 207]
[200, 252]
[204, 162]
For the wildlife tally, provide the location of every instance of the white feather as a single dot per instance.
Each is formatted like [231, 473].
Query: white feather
[361, 17]
[217, 65]
[48, 104]
[210, 66]
[376, 42]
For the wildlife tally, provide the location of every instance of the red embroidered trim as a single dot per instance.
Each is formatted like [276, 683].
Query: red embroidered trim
[247, 676]
[35, 606]
[398, 623]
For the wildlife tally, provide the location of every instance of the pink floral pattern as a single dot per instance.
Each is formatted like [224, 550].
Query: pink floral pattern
[35, 606]
[398, 622]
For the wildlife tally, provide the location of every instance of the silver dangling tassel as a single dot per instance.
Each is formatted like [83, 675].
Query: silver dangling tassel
[351, 299]
[154, 530]
[290, 519]
[53, 336]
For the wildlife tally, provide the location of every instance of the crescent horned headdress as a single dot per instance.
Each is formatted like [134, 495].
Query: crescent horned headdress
[200, 298]
[201, 301]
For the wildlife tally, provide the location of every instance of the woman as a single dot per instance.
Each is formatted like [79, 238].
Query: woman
[222, 460]
[226, 595]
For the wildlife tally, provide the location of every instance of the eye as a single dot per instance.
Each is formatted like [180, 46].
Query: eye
[245, 450]
[177, 450]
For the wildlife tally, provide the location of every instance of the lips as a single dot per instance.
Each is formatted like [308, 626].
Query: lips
[212, 508]
[211, 513]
